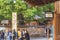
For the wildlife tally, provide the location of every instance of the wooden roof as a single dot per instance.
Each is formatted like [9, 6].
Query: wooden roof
[39, 2]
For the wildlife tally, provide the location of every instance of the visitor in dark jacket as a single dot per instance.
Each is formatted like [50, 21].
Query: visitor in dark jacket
[2, 35]
[27, 35]
[15, 35]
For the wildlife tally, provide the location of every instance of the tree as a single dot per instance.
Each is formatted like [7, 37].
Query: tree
[8, 6]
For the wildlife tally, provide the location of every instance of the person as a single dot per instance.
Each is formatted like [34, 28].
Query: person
[9, 35]
[15, 35]
[2, 35]
[6, 34]
[23, 34]
[49, 27]
[27, 37]
[19, 35]
[46, 32]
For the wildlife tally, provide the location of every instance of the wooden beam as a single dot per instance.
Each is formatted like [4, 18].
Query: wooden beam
[39, 2]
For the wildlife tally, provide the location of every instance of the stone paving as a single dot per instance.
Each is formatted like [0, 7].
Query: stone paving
[40, 39]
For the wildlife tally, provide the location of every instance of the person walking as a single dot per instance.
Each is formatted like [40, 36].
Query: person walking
[23, 34]
[27, 37]
[6, 34]
[15, 35]
[9, 35]
[2, 35]
[19, 35]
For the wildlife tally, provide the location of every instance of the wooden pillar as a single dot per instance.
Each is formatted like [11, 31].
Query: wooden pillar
[56, 21]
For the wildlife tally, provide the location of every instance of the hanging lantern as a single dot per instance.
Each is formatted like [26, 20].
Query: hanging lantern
[49, 15]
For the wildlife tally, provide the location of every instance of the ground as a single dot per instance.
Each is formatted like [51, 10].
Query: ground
[40, 39]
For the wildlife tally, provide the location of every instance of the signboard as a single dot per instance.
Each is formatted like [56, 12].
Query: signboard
[4, 22]
[2, 28]
[14, 20]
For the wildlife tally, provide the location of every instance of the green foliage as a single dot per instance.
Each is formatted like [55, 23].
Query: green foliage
[8, 6]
